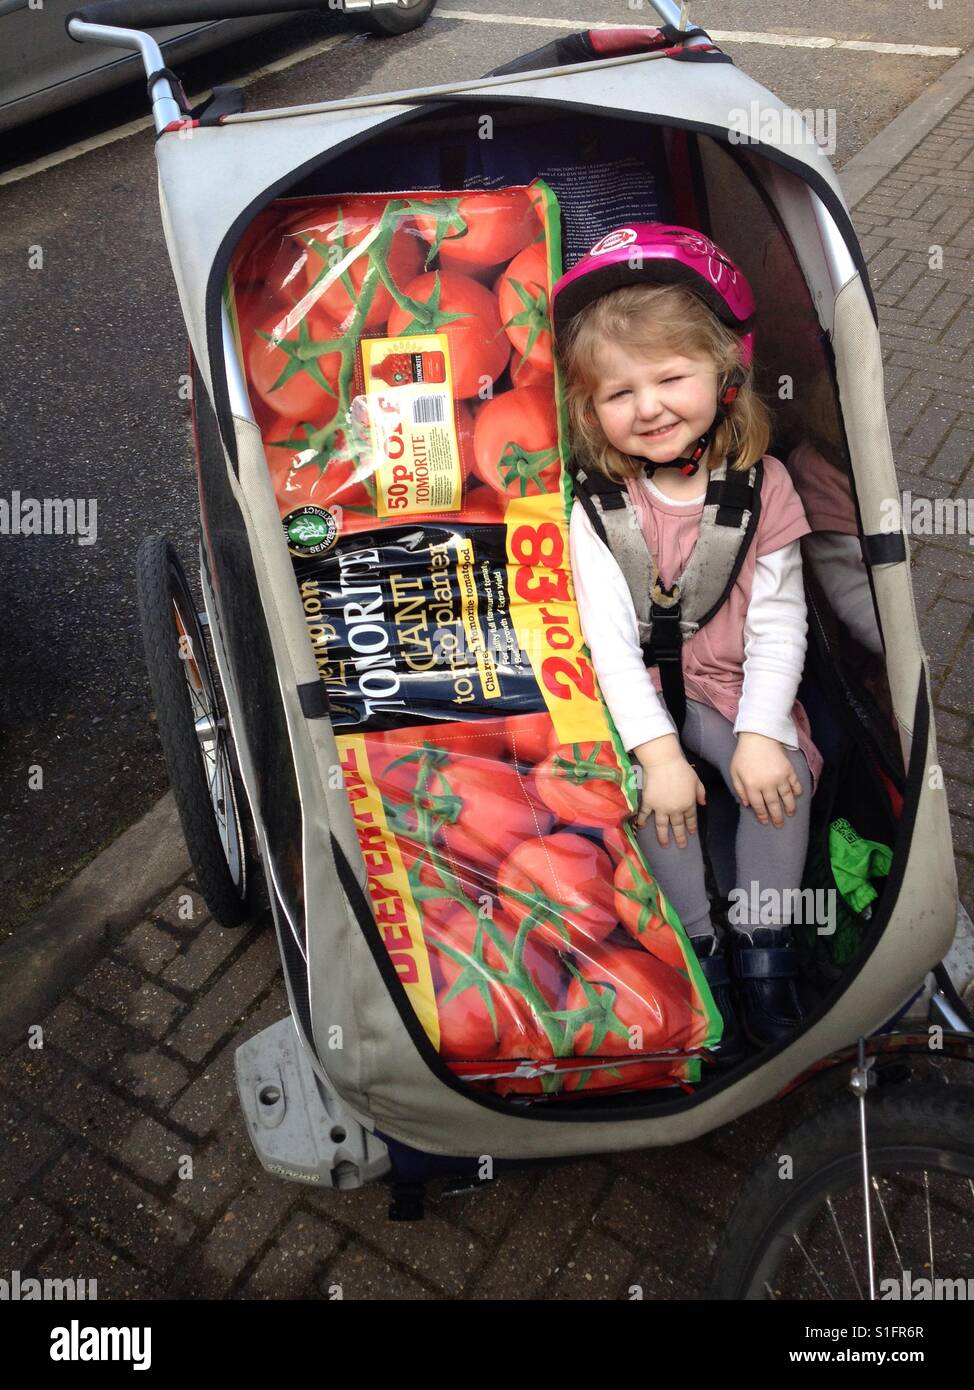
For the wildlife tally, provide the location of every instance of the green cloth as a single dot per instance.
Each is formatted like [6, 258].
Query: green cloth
[854, 862]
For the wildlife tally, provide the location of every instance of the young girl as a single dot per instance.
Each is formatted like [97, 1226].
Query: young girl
[653, 327]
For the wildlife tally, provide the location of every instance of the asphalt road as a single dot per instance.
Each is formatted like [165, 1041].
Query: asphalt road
[95, 346]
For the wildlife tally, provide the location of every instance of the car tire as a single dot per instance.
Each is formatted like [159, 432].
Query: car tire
[402, 18]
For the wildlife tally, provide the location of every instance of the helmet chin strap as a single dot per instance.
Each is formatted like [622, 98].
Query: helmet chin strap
[691, 463]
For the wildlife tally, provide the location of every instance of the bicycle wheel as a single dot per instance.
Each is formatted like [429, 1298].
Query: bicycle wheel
[798, 1231]
[194, 736]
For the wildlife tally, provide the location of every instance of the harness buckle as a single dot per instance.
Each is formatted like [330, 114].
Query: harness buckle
[667, 639]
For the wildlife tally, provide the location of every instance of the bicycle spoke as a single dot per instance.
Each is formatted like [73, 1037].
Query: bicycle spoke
[889, 1229]
[845, 1248]
[811, 1264]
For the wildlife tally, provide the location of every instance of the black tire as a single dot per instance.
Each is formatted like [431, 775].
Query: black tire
[222, 875]
[777, 1242]
[399, 19]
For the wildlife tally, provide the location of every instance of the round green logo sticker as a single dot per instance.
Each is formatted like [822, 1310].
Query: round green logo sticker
[309, 530]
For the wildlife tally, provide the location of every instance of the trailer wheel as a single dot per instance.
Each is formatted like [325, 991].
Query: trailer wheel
[400, 18]
[798, 1230]
[194, 735]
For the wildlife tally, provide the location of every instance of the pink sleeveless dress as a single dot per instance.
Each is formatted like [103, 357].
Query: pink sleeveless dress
[713, 659]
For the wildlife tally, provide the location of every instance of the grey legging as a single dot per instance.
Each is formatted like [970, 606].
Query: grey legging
[767, 856]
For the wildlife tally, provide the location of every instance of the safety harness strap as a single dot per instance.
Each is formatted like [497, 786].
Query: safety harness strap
[666, 617]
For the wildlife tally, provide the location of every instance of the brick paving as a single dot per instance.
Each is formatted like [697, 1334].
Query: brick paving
[126, 1156]
[926, 319]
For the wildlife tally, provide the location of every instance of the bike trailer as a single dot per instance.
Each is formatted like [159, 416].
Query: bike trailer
[477, 959]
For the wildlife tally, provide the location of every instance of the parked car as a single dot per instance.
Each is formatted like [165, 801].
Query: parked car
[41, 70]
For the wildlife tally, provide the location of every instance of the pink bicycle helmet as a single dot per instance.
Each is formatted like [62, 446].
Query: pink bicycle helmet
[659, 253]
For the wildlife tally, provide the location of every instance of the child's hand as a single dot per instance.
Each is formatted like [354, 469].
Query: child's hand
[763, 777]
[671, 791]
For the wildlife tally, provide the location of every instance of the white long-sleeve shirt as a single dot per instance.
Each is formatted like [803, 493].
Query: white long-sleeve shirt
[774, 639]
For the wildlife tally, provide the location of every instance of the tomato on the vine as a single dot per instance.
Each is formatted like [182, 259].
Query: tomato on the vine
[525, 373]
[531, 737]
[299, 479]
[645, 1006]
[328, 237]
[637, 904]
[523, 300]
[481, 229]
[452, 925]
[567, 882]
[466, 312]
[580, 783]
[467, 1031]
[515, 441]
[497, 812]
[296, 386]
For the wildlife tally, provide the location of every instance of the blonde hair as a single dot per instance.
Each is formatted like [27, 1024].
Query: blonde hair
[649, 319]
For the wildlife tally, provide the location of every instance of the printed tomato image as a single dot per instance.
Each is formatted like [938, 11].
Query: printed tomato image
[616, 843]
[536, 193]
[515, 441]
[285, 272]
[288, 380]
[496, 812]
[271, 257]
[531, 737]
[453, 927]
[433, 879]
[454, 304]
[329, 237]
[479, 738]
[525, 373]
[564, 882]
[478, 809]
[523, 300]
[637, 906]
[580, 782]
[253, 304]
[481, 996]
[299, 478]
[632, 991]
[482, 229]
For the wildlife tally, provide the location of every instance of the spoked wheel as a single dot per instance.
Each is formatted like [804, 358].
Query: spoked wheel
[193, 733]
[803, 1236]
[400, 18]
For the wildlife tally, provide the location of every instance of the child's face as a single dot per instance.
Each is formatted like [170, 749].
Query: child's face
[637, 395]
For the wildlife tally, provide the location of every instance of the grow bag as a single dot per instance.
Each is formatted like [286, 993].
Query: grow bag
[399, 361]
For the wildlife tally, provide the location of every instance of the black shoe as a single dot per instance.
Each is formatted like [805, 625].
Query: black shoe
[713, 962]
[764, 964]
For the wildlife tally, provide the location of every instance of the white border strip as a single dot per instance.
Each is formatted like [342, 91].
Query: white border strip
[718, 35]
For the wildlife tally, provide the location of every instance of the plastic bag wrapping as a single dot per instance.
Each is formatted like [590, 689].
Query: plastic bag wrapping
[399, 360]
